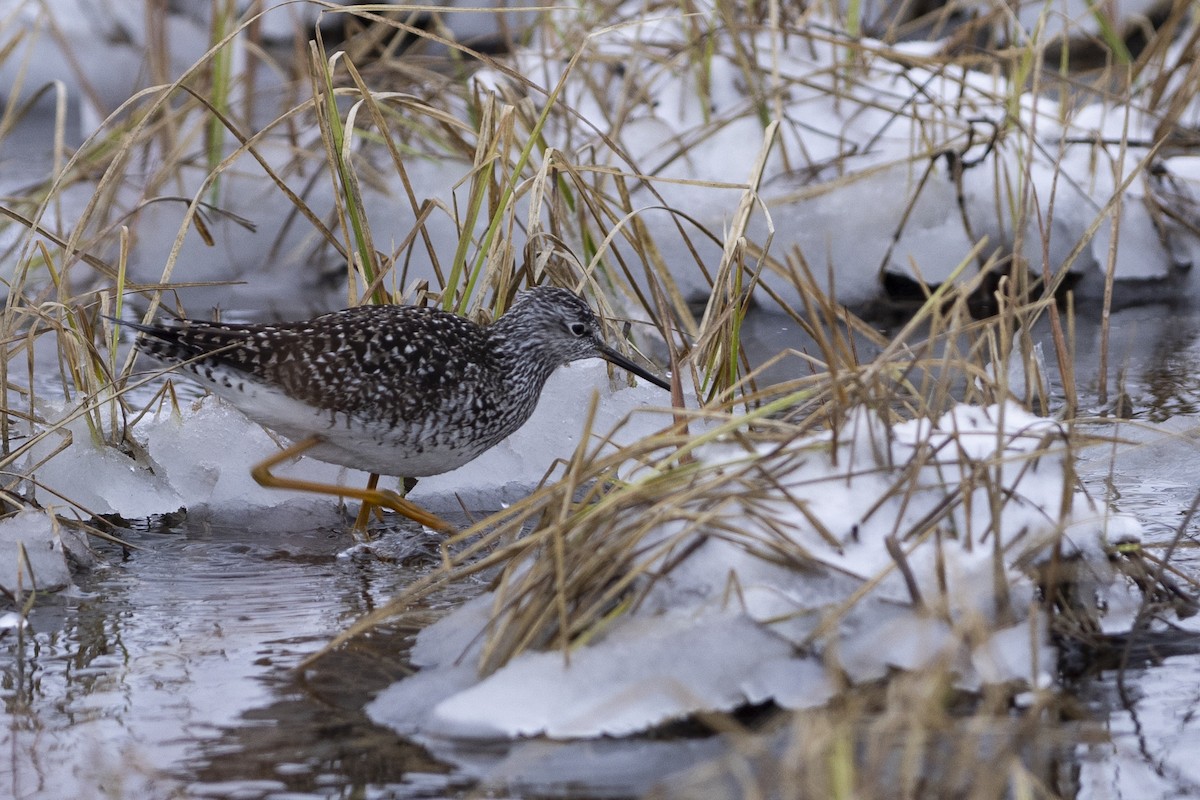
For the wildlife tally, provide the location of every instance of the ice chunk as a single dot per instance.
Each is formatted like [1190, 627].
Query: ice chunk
[206, 454]
[31, 554]
[648, 672]
[95, 477]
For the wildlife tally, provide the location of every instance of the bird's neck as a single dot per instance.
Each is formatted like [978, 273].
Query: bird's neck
[518, 357]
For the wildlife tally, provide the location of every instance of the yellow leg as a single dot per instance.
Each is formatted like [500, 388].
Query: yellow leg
[365, 509]
[384, 498]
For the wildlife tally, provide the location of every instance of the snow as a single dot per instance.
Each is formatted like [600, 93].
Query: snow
[944, 174]
[842, 149]
[630, 683]
[11, 622]
[691, 645]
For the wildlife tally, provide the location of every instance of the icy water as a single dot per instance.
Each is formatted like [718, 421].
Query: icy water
[171, 670]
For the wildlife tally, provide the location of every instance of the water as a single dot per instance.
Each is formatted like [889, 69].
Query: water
[172, 670]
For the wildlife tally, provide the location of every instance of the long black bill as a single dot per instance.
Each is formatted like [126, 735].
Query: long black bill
[613, 357]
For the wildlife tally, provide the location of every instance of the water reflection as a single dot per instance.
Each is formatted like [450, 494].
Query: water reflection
[180, 657]
[1153, 356]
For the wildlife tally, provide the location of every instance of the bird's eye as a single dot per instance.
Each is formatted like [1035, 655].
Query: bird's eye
[578, 328]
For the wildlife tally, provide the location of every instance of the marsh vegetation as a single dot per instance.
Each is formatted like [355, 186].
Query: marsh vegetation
[916, 516]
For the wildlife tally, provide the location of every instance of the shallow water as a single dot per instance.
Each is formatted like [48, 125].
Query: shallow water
[171, 670]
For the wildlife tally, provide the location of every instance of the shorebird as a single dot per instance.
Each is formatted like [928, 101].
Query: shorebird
[388, 389]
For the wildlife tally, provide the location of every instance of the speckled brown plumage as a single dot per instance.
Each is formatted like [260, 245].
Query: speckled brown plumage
[397, 390]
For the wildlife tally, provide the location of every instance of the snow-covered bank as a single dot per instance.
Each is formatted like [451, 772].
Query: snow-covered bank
[891, 161]
[802, 564]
